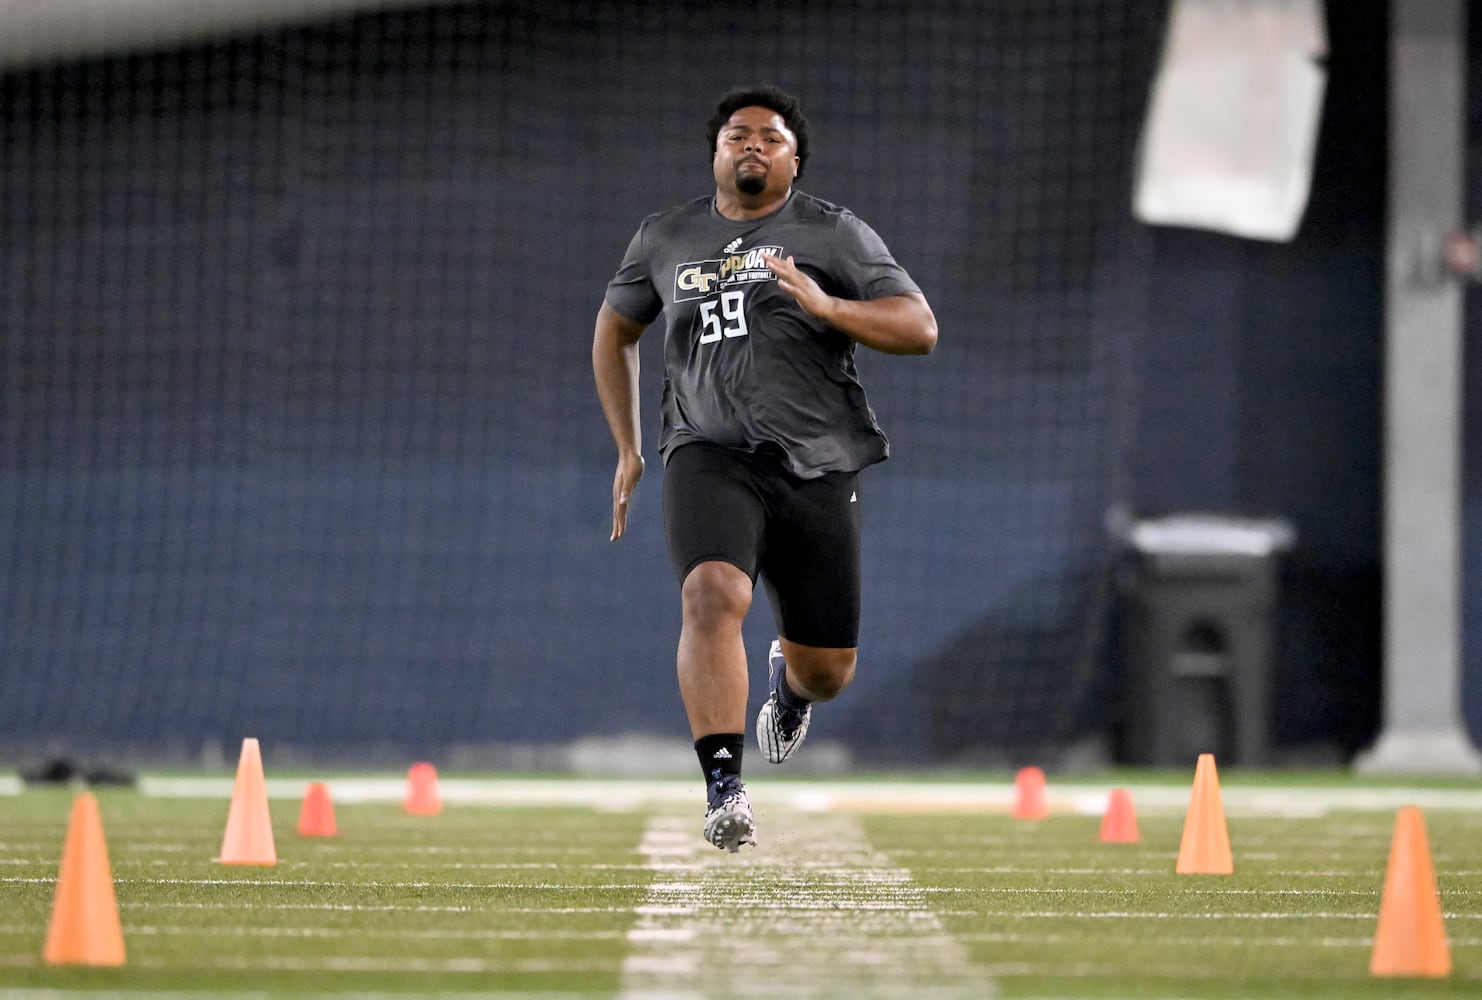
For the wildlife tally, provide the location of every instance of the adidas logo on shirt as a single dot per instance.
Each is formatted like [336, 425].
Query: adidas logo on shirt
[853, 497]
[721, 754]
[732, 246]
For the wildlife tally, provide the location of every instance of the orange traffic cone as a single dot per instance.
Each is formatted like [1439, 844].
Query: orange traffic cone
[316, 816]
[1119, 822]
[422, 798]
[1029, 794]
[84, 928]
[1411, 937]
[249, 828]
[1205, 849]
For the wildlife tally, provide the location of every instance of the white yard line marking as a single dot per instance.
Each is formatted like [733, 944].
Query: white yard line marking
[630, 794]
[289, 883]
[370, 907]
[1197, 941]
[345, 933]
[21, 993]
[1368, 917]
[814, 911]
[350, 963]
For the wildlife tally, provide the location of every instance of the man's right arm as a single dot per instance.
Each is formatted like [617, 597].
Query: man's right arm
[615, 367]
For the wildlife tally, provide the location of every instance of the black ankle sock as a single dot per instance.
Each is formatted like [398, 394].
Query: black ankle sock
[788, 698]
[720, 755]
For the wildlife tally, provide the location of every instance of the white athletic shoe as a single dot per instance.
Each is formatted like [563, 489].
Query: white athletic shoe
[728, 821]
[779, 730]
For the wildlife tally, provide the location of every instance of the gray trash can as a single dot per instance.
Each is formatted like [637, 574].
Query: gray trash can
[1199, 592]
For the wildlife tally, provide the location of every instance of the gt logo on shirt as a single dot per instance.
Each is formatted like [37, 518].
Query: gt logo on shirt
[696, 278]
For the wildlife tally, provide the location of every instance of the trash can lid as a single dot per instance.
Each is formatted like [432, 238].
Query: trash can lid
[1212, 534]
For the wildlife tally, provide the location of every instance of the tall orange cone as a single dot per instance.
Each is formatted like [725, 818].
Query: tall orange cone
[1411, 937]
[249, 828]
[316, 815]
[1029, 794]
[84, 928]
[422, 797]
[1205, 849]
[1119, 822]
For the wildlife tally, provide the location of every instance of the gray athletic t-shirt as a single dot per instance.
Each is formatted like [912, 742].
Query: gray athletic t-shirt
[743, 364]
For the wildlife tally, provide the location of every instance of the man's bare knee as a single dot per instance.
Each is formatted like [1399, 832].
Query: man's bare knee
[818, 673]
[714, 595]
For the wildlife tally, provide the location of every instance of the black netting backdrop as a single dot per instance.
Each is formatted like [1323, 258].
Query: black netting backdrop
[298, 438]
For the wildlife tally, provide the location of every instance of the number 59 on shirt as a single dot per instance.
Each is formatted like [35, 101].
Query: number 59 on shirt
[731, 322]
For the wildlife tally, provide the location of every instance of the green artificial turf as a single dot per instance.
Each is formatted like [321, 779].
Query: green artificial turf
[1051, 911]
[524, 899]
[516, 900]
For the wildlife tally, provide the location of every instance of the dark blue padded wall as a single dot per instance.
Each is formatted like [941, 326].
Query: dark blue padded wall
[297, 432]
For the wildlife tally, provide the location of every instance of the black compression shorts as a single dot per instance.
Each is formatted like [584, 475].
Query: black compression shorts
[800, 536]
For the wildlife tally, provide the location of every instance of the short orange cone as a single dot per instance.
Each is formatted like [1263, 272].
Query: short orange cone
[1205, 849]
[1119, 822]
[249, 828]
[1029, 794]
[422, 798]
[84, 928]
[1411, 937]
[316, 815]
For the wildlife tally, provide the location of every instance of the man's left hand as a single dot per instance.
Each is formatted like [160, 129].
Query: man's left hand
[791, 279]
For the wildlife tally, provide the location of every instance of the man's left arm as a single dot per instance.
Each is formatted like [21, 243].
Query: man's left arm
[894, 324]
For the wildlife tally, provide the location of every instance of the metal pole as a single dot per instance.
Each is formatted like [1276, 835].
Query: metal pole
[1423, 731]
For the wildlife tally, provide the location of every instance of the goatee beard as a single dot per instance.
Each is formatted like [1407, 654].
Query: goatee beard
[751, 184]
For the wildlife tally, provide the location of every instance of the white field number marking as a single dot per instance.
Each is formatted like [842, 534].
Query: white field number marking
[814, 911]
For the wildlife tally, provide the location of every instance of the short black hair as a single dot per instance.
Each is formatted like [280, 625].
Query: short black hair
[769, 97]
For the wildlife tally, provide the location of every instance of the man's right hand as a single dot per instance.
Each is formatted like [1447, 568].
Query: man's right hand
[624, 482]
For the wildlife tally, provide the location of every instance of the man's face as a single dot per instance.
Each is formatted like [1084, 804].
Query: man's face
[755, 154]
